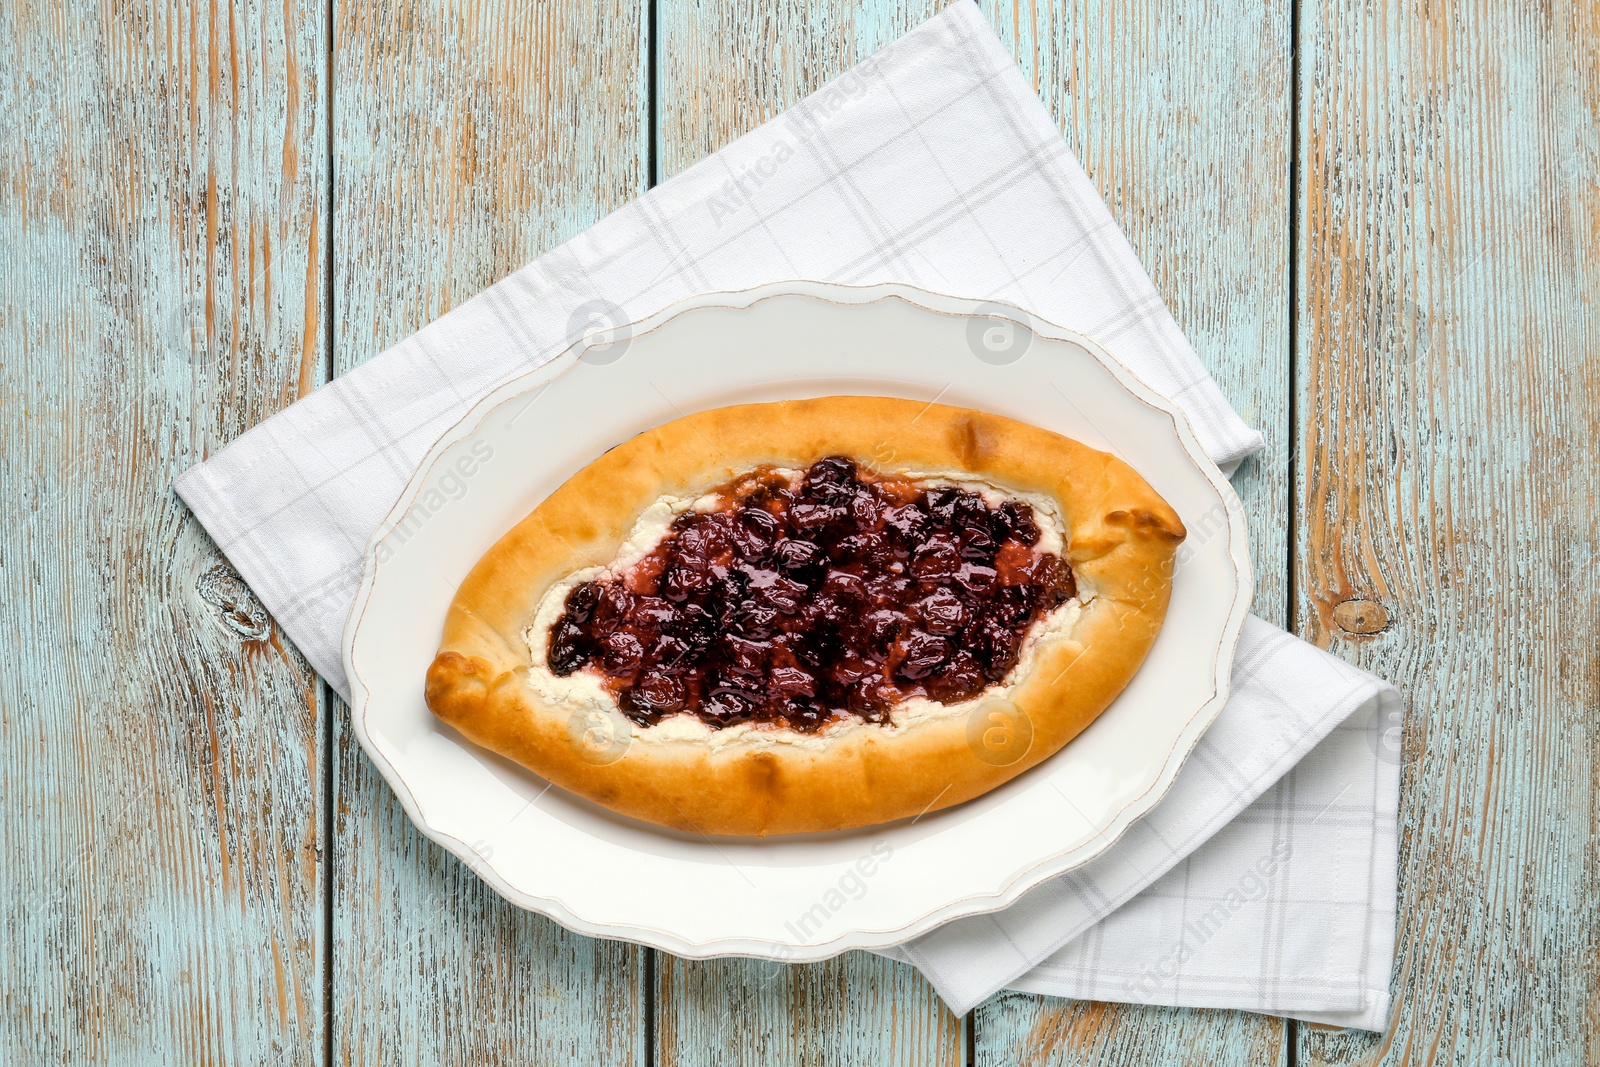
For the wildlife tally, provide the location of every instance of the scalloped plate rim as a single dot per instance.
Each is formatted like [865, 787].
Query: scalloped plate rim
[1018, 882]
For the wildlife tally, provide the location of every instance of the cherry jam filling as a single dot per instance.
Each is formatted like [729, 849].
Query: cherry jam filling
[804, 599]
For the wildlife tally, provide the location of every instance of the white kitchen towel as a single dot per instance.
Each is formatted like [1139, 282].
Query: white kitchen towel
[1264, 879]
[932, 163]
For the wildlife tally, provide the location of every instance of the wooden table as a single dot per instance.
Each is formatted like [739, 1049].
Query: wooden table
[1379, 223]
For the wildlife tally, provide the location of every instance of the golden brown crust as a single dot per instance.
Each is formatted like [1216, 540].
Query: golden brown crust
[1121, 541]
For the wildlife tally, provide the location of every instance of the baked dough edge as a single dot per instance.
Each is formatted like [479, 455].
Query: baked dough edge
[1121, 539]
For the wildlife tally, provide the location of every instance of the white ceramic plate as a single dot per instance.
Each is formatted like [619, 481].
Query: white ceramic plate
[810, 897]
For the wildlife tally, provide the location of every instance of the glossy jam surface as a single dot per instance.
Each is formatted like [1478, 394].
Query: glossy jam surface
[805, 598]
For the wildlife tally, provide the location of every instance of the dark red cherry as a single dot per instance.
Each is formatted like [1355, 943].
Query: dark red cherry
[568, 648]
[611, 610]
[1001, 524]
[844, 587]
[936, 559]
[858, 546]
[794, 603]
[878, 629]
[1020, 517]
[806, 716]
[924, 652]
[756, 621]
[727, 708]
[793, 554]
[941, 612]
[974, 577]
[792, 681]
[969, 512]
[657, 692]
[622, 654]
[1001, 643]
[865, 507]
[670, 653]
[831, 478]
[704, 541]
[908, 523]
[696, 625]
[940, 504]
[869, 694]
[653, 612]
[744, 654]
[581, 601]
[754, 532]
[809, 520]
[1011, 604]
[683, 583]
[888, 589]
[957, 679]
[977, 543]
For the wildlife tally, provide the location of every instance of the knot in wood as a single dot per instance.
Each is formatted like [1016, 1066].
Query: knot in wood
[1360, 616]
[223, 589]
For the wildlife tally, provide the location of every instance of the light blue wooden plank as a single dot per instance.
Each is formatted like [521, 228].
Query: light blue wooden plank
[1180, 114]
[161, 201]
[467, 140]
[724, 68]
[1015, 1028]
[1450, 259]
[857, 1008]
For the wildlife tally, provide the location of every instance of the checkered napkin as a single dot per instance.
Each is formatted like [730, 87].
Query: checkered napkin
[1266, 879]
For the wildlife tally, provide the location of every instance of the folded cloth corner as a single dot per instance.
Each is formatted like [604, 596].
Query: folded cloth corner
[1259, 882]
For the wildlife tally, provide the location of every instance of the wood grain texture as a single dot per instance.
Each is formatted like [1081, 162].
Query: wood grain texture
[468, 139]
[856, 1008]
[1448, 334]
[725, 67]
[162, 202]
[165, 243]
[1017, 1028]
[1180, 113]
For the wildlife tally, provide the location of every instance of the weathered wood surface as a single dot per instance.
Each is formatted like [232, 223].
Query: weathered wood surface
[467, 141]
[1158, 102]
[162, 192]
[166, 244]
[1017, 1028]
[1182, 116]
[723, 68]
[1449, 397]
[857, 1008]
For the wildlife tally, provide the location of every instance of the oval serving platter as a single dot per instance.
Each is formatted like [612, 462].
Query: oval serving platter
[813, 896]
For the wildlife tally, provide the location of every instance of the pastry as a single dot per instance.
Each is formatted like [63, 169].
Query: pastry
[809, 615]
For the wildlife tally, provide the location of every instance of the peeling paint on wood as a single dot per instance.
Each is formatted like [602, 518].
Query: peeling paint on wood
[856, 1008]
[166, 239]
[1448, 342]
[160, 762]
[1181, 116]
[724, 68]
[467, 141]
[1016, 1028]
